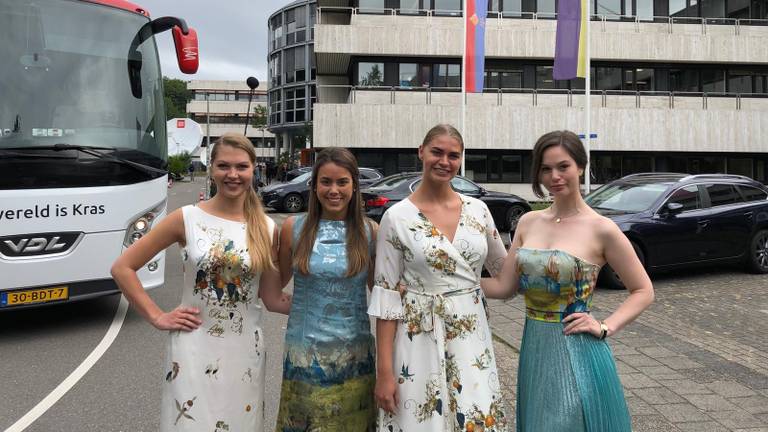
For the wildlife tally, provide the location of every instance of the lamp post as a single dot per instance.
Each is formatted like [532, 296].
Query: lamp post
[252, 84]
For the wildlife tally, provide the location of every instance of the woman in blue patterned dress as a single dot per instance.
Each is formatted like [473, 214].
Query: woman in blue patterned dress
[328, 364]
[567, 380]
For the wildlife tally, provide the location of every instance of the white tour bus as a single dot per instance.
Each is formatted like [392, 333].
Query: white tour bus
[83, 151]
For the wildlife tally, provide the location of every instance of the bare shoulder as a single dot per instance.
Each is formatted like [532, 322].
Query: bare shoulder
[605, 228]
[529, 218]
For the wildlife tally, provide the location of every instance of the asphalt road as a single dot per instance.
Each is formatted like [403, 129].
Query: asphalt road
[40, 347]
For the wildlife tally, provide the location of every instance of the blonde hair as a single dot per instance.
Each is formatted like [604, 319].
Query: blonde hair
[258, 237]
[358, 255]
[440, 130]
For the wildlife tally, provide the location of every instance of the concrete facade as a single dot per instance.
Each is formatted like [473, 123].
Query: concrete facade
[233, 110]
[646, 123]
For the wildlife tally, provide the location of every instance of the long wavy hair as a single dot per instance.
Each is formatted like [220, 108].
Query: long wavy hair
[258, 237]
[358, 255]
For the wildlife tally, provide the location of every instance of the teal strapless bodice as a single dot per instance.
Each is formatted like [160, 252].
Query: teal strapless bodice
[555, 283]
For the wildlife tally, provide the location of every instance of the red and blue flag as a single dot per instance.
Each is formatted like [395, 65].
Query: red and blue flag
[474, 46]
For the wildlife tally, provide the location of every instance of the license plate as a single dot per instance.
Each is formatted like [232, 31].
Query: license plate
[40, 295]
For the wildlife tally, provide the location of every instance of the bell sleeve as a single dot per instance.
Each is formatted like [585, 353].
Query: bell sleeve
[386, 302]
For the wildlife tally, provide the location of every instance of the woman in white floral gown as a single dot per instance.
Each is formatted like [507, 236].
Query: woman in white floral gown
[214, 370]
[436, 369]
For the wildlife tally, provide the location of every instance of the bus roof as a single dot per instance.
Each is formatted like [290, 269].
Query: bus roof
[122, 4]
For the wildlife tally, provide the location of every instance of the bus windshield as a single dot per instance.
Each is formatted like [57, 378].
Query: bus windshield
[67, 81]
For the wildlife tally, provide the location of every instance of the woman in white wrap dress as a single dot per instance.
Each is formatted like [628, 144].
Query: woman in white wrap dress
[435, 362]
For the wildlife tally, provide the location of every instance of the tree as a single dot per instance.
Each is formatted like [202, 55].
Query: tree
[259, 116]
[179, 164]
[373, 77]
[176, 97]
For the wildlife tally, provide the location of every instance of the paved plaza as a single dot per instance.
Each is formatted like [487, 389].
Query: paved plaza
[697, 360]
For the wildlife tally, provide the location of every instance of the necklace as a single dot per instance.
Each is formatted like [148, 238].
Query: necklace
[558, 219]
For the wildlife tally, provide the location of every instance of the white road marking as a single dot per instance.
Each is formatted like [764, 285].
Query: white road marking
[77, 374]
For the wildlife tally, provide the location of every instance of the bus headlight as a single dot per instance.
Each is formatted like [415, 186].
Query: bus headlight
[142, 224]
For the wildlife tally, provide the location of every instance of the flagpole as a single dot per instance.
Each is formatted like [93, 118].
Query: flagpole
[464, 85]
[588, 101]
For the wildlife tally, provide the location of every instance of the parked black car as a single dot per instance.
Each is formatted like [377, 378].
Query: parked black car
[292, 174]
[293, 196]
[676, 220]
[505, 208]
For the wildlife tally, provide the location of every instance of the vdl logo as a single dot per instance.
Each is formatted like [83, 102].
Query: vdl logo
[33, 245]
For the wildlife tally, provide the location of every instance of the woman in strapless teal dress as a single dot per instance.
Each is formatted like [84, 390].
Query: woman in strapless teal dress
[567, 380]
[328, 362]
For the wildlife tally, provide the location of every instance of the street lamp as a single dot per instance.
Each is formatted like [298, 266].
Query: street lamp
[252, 84]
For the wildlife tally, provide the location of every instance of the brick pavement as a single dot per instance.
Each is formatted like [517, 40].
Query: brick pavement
[696, 360]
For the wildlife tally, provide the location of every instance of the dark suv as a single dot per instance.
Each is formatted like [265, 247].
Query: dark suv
[680, 220]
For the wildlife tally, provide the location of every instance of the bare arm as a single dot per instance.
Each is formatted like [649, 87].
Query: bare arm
[271, 287]
[168, 231]
[286, 252]
[386, 388]
[505, 283]
[621, 256]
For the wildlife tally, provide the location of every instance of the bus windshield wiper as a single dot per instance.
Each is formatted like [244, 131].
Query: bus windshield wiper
[94, 151]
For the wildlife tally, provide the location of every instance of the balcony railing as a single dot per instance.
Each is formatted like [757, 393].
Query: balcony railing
[512, 96]
[497, 19]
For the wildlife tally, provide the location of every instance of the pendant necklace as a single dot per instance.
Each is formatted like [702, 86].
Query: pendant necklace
[558, 219]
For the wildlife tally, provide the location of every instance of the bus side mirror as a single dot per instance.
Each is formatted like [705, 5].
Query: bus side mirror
[186, 49]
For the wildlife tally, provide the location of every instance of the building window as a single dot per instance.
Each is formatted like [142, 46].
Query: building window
[277, 31]
[706, 165]
[546, 7]
[713, 8]
[507, 8]
[610, 8]
[370, 74]
[476, 167]
[408, 75]
[684, 80]
[511, 169]
[607, 78]
[447, 7]
[295, 105]
[713, 80]
[275, 71]
[295, 65]
[447, 75]
[274, 107]
[606, 168]
[505, 79]
[740, 166]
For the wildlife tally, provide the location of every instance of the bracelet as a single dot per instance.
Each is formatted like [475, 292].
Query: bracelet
[603, 330]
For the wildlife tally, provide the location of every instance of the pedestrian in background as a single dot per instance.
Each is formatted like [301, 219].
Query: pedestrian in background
[214, 369]
[567, 380]
[328, 365]
[436, 369]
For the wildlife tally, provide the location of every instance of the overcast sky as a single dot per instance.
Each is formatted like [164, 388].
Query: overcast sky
[232, 35]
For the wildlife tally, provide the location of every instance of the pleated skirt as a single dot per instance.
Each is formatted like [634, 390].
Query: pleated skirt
[568, 383]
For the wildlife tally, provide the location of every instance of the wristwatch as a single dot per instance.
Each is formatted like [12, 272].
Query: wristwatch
[603, 330]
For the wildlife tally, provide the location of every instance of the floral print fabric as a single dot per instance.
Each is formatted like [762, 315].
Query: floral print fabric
[447, 378]
[214, 375]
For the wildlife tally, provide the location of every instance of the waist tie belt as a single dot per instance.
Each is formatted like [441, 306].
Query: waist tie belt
[433, 321]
